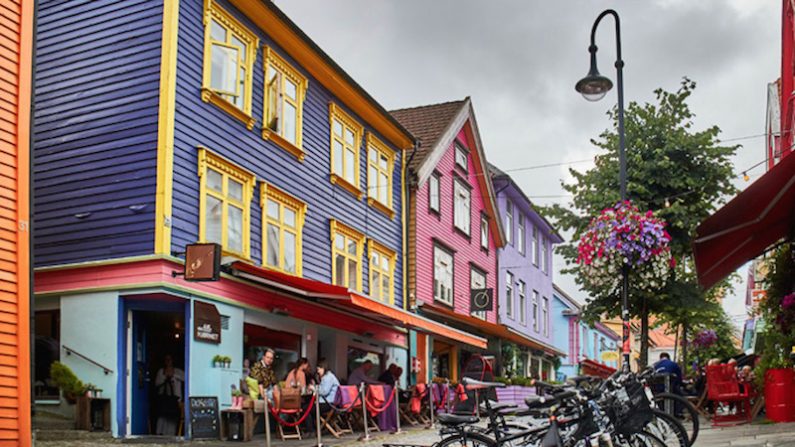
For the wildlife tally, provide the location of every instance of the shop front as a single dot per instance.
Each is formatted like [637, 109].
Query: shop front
[128, 328]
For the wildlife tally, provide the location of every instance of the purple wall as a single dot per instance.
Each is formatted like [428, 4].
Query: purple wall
[520, 263]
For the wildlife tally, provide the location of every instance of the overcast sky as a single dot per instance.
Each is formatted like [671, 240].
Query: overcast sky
[519, 61]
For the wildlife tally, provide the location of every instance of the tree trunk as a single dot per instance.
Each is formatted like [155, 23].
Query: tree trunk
[683, 343]
[644, 335]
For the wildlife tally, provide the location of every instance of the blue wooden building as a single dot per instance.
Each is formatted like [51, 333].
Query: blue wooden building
[160, 124]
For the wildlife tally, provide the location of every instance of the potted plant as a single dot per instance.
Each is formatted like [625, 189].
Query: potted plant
[777, 311]
[227, 362]
[65, 379]
[218, 360]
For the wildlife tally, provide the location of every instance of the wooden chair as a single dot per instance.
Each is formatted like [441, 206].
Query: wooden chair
[723, 387]
[285, 433]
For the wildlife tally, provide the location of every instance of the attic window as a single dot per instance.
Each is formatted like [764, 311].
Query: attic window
[461, 157]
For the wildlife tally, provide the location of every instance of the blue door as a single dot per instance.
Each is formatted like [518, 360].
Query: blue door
[139, 372]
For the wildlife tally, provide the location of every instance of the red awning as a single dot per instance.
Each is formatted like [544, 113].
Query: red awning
[746, 226]
[590, 367]
[342, 298]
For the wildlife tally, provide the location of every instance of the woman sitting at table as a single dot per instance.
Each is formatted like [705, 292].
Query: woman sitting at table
[297, 377]
[329, 384]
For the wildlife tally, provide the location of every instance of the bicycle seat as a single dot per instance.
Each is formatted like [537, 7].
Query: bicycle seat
[497, 406]
[577, 380]
[456, 419]
[472, 384]
[537, 402]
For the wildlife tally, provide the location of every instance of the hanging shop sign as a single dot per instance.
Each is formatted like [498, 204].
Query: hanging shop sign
[206, 323]
[481, 300]
[609, 356]
[202, 262]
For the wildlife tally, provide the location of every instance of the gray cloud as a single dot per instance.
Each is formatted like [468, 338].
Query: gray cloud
[519, 61]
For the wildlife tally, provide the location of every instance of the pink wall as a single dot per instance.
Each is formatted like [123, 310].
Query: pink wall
[429, 226]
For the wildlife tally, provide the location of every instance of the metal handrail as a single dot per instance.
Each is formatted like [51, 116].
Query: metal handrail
[70, 351]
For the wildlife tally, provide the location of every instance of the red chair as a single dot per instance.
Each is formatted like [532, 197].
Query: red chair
[723, 387]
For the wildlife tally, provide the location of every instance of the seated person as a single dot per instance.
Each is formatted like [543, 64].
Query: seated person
[262, 373]
[388, 376]
[360, 374]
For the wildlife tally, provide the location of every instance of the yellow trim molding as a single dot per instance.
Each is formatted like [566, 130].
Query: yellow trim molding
[268, 191]
[165, 127]
[338, 227]
[384, 251]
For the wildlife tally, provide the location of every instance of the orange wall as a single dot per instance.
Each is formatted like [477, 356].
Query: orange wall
[16, 43]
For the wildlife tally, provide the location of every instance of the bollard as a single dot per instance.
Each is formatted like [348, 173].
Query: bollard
[267, 422]
[317, 419]
[430, 399]
[397, 409]
[362, 391]
[477, 403]
[668, 402]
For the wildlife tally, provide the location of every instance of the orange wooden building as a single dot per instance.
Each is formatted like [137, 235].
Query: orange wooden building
[16, 49]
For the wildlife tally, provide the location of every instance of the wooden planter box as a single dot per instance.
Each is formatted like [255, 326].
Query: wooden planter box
[514, 394]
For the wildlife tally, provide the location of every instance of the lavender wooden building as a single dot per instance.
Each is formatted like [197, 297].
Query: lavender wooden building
[525, 280]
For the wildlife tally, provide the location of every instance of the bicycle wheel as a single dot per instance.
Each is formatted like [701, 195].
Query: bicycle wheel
[667, 429]
[645, 439]
[682, 409]
[468, 439]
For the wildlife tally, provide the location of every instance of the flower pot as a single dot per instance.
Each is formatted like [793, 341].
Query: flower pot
[216, 364]
[228, 365]
[780, 394]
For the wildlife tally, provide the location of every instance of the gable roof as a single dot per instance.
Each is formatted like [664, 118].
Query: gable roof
[436, 126]
[427, 124]
[499, 174]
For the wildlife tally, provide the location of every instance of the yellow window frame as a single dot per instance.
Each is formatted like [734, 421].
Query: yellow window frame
[349, 234]
[210, 160]
[271, 108]
[372, 190]
[374, 247]
[233, 27]
[347, 122]
[284, 200]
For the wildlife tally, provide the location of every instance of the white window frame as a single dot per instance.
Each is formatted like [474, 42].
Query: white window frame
[521, 234]
[534, 246]
[461, 156]
[443, 262]
[545, 316]
[509, 295]
[535, 310]
[508, 221]
[434, 183]
[545, 254]
[462, 197]
[522, 290]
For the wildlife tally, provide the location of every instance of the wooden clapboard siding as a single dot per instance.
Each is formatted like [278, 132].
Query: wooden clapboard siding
[16, 25]
[95, 142]
[201, 124]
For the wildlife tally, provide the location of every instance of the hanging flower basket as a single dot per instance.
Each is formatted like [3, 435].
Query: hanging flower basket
[621, 236]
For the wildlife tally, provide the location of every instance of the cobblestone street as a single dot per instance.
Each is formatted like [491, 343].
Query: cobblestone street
[755, 435]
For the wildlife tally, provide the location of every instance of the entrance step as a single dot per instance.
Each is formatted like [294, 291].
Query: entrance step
[73, 435]
[52, 421]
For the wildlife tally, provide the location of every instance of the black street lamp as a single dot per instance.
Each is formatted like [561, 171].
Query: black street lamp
[594, 87]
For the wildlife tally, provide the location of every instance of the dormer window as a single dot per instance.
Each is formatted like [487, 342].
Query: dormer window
[461, 157]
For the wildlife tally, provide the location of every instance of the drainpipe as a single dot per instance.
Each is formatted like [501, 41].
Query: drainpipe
[406, 210]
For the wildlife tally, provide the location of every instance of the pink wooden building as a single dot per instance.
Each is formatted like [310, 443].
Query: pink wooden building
[454, 232]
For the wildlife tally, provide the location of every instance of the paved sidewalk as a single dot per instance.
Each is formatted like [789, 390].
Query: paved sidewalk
[754, 435]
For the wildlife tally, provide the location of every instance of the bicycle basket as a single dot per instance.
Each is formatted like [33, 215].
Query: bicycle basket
[632, 409]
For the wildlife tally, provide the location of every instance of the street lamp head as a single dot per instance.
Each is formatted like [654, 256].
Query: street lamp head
[594, 86]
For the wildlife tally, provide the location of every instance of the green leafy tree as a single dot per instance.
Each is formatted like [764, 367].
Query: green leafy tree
[672, 168]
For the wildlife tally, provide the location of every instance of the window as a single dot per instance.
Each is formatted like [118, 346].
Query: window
[477, 280]
[442, 275]
[380, 160]
[509, 294]
[545, 317]
[283, 220]
[285, 90]
[522, 304]
[461, 157]
[229, 53]
[520, 234]
[535, 310]
[545, 254]
[484, 231]
[346, 253]
[534, 246]
[509, 221]
[225, 203]
[461, 206]
[382, 268]
[346, 135]
[433, 192]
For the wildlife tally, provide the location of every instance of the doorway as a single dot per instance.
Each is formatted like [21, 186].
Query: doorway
[156, 359]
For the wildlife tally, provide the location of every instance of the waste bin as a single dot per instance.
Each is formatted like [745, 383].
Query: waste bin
[233, 425]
